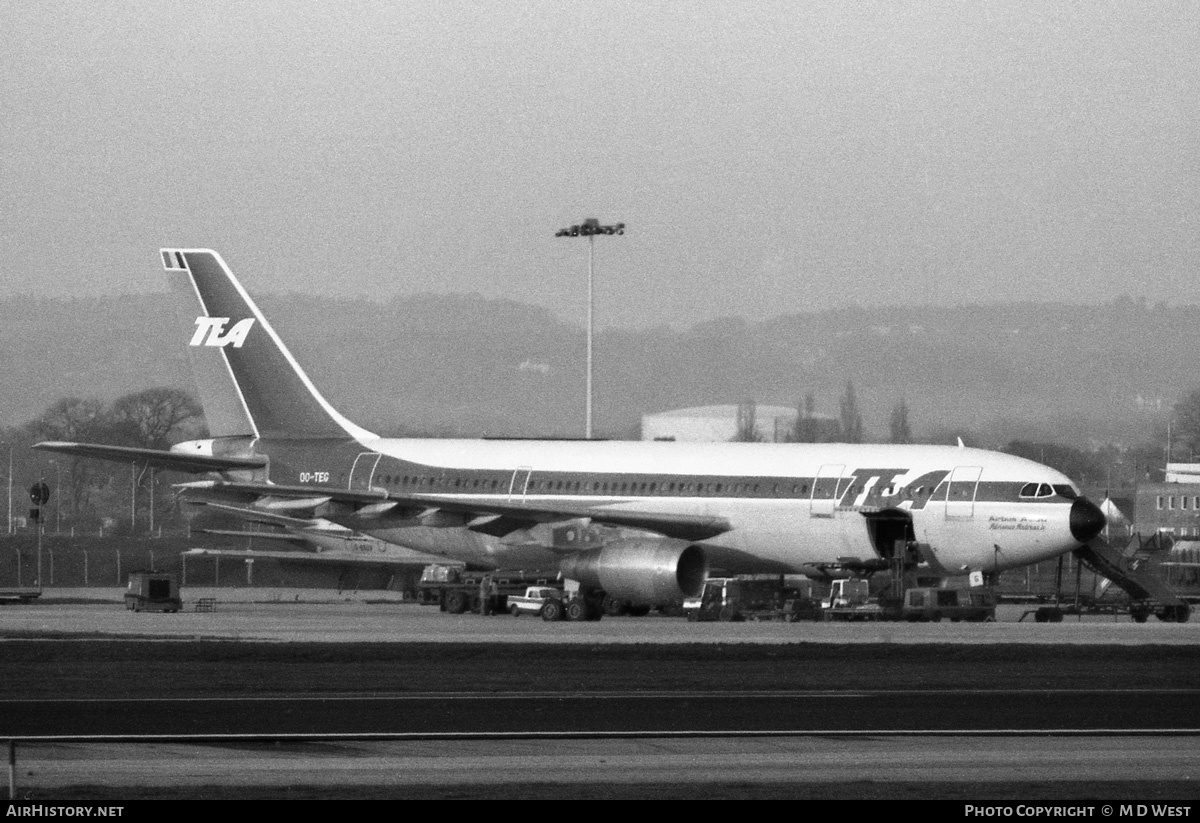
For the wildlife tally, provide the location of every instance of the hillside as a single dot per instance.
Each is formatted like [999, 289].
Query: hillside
[466, 365]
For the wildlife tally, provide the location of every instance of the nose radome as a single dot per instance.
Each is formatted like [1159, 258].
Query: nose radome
[1087, 520]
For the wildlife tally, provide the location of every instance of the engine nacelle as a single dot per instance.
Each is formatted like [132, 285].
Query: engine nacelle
[643, 571]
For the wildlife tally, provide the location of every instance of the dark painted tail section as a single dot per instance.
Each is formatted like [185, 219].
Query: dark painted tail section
[245, 373]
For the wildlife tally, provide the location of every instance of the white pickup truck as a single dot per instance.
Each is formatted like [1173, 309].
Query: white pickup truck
[533, 600]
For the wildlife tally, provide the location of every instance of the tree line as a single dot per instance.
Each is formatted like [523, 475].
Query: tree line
[810, 427]
[87, 494]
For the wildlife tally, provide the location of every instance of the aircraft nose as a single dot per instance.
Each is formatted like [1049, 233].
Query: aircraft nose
[1087, 520]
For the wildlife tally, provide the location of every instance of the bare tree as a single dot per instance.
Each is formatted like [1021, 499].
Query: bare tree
[74, 419]
[1185, 425]
[900, 430]
[851, 419]
[806, 429]
[154, 418]
[747, 423]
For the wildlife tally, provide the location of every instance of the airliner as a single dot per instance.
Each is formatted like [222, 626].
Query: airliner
[644, 522]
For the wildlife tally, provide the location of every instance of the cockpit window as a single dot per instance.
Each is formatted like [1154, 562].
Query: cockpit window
[1036, 490]
[1067, 492]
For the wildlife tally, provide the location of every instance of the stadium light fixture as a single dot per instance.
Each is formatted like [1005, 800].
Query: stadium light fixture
[589, 228]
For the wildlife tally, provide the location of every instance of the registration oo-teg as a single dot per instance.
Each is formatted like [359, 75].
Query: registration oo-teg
[1150, 810]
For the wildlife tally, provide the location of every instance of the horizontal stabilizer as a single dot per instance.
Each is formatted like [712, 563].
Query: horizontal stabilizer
[172, 461]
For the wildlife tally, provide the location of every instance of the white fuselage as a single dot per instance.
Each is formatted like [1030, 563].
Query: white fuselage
[790, 505]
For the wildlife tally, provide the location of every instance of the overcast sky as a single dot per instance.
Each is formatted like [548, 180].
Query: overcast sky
[767, 157]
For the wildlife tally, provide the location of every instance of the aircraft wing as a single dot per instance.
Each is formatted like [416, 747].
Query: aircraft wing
[191, 463]
[488, 516]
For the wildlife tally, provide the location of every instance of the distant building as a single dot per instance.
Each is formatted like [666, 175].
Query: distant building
[1183, 473]
[721, 424]
[1170, 509]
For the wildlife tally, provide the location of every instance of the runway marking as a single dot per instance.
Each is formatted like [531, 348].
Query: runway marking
[857, 694]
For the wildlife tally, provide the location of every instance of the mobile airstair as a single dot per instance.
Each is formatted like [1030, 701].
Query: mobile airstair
[1127, 568]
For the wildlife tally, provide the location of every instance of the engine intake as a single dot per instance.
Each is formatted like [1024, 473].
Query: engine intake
[647, 572]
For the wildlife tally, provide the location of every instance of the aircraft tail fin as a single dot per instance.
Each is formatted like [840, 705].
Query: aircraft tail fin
[249, 383]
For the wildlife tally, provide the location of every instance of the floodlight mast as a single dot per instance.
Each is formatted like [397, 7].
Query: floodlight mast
[589, 228]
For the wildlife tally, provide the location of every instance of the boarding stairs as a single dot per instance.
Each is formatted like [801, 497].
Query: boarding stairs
[1127, 568]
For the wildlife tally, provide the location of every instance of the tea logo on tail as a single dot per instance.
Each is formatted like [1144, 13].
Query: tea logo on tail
[210, 331]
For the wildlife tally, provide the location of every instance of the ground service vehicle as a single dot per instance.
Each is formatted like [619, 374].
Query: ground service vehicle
[932, 604]
[756, 597]
[153, 592]
[533, 600]
[457, 591]
[434, 580]
[850, 599]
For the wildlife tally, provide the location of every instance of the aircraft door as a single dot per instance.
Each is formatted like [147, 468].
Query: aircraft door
[363, 470]
[519, 483]
[825, 489]
[891, 532]
[960, 492]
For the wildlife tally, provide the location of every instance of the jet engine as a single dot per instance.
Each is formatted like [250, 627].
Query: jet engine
[644, 570]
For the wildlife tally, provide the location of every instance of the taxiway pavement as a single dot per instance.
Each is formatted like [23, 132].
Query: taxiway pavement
[307, 615]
